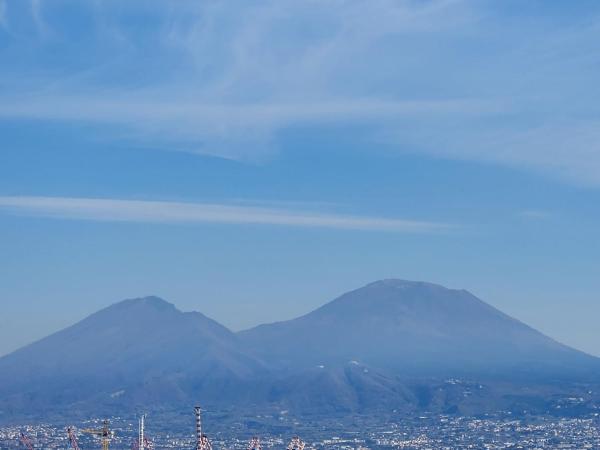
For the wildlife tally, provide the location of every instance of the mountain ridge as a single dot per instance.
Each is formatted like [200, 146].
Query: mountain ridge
[361, 351]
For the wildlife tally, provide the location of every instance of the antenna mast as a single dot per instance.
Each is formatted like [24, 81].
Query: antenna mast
[198, 428]
[202, 442]
[141, 433]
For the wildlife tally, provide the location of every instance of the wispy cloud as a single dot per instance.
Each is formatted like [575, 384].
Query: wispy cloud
[118, 210]
[448, 78]
[232, 130]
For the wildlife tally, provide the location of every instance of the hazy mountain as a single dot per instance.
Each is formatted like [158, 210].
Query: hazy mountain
[392, 345]
[138, 350]
[410, 326]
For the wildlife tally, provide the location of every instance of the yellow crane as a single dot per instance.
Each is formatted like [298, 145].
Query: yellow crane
[104, 432]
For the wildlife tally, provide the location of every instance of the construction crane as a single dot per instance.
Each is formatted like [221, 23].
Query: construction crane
[72, 438]
[202, 441]
[104, 432]
[26, 441]
[296, 444]
[254, 444]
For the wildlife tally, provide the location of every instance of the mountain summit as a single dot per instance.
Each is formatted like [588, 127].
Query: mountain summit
[411, 326]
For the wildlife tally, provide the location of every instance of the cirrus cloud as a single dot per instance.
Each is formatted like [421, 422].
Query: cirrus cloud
[120, 210]
[445, 78]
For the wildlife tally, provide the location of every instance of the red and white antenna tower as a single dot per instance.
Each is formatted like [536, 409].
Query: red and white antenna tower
[254, 444]
[296, 444]
[202, 442]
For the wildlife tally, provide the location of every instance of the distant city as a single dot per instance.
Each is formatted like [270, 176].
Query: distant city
[439, 432]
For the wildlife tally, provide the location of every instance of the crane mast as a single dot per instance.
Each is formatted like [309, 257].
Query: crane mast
[26, 441]
[104, 432]
[72, 439]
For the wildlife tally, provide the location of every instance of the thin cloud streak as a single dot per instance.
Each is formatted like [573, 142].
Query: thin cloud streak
[130, 109]
[118, 210]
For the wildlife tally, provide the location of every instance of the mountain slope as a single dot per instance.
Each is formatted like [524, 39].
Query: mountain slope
[136, 351]
[410, 326]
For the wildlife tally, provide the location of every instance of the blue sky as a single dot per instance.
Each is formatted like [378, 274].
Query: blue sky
[252, 160]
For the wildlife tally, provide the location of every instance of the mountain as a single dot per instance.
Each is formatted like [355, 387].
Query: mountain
[411, 327]
[392, 345]
[140, 350]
